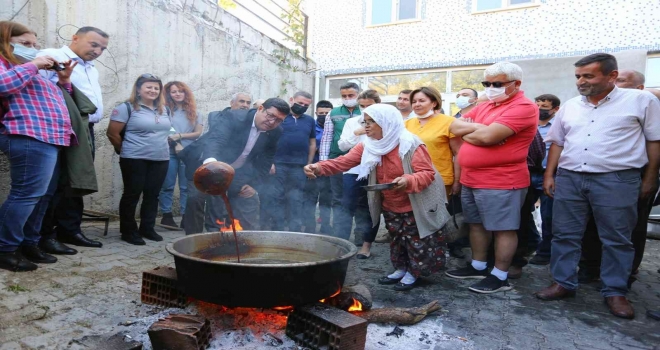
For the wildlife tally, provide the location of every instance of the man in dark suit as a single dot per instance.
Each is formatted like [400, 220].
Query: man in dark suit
[247, 140]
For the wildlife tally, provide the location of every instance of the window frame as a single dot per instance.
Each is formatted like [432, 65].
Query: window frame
[650, 56]
[394, 14]
[505, 6]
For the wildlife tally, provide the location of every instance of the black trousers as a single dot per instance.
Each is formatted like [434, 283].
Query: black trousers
[64, 214]
[141, 178]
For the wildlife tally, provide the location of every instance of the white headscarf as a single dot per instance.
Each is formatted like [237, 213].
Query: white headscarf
[394, 134]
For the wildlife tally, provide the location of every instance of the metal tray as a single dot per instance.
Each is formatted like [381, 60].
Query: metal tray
[379, 187]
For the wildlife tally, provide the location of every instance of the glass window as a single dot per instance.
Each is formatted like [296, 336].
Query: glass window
[407, 9]
[393, 84]
[463, 79]
[653, 72]
[335, 84]
[381, 11]
[520, 2]
[485, 5]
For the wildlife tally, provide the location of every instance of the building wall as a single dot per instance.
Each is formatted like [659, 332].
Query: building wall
[449, 34]
[212, 51]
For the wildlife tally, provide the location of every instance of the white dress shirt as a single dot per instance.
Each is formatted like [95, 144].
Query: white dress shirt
[348, 140]
[85, 77]
[252, 140]
[609, 136]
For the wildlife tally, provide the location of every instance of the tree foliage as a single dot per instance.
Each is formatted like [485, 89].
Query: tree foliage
[227, 4]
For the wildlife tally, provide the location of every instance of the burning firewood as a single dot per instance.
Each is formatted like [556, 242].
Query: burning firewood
[398, 315]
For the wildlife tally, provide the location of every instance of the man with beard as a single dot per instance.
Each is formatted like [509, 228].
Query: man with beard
[600, 142]
[403, 104]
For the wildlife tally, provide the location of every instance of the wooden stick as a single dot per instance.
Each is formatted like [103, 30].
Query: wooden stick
[397, 315]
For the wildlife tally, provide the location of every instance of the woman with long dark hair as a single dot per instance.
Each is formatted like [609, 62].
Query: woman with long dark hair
[138, 131]
[34, 126]
[187, 128]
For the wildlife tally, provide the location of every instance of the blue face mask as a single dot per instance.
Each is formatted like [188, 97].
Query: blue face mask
[23, 53]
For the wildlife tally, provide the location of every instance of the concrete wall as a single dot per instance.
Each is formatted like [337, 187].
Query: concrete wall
[212, 51]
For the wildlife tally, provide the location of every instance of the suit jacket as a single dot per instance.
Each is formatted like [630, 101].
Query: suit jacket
[226, 141]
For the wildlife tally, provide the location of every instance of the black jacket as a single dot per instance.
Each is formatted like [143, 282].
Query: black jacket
[226, 141]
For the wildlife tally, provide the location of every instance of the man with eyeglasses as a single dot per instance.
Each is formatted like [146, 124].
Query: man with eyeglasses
[64, 215]
[295, 149]
[494, 173]
[246, 140]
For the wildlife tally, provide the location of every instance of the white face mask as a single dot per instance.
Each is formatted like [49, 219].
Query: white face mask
[350, 103]
[23, 53]
[497, 94]
[427, 114]
[463, 102]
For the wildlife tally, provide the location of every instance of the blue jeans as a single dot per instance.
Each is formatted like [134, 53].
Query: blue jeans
[545, 245]
[337, 192]
[176, 167]
[355, 204]
[287, 192]
[612, 199]
[317, 191]
[34, 171]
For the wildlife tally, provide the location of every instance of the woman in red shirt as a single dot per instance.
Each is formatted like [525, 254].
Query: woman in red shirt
[414, 209]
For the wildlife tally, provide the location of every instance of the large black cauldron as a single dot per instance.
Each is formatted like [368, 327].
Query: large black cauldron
[276, 268]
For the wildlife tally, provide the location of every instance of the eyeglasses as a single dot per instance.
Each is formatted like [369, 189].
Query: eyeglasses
[497, 84]
[368, 122]
[149, 76]
[273, 119]
[29, 44]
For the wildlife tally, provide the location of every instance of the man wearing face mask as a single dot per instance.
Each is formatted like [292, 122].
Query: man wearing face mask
[318, 190]
[466, 99]
[494, 173]
[334, 125]
[601, 141]
[64, 215]
[295, 149]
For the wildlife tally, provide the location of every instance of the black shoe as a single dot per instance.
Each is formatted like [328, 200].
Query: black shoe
[587, 276]
[387, 280]
[152, 235]
[467, 272]
[53, 246]
[539, 260]
[34, 254]
[402, 287]
[133, 238]
[14, 261]
[491, 284]
[80, 240]
[183, 217]
[168, 220]
[456, 252]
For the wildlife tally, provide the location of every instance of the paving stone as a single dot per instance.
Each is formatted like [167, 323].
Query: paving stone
[20, 300]
[11, 346]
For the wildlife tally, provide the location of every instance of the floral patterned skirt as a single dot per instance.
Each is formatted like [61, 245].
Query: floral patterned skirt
[419, 256]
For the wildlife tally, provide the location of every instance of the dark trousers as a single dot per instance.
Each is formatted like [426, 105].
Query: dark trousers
[355, 205]
[317, 191]
[337, 189]
[141, 178]
[545, 245]
[290, 181]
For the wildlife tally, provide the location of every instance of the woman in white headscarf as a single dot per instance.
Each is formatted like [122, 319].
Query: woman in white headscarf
[414, 209]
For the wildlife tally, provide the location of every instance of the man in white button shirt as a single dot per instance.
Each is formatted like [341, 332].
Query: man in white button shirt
[600, 141]
[65, 212]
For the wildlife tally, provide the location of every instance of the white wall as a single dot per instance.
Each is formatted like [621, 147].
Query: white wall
[212, 51]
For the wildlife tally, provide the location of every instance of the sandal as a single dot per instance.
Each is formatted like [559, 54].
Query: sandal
[402, 287]
[387, 280]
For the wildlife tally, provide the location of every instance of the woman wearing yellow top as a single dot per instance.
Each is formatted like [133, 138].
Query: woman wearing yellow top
[433, 129]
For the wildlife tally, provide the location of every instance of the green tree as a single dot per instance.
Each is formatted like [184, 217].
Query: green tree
[227, 4]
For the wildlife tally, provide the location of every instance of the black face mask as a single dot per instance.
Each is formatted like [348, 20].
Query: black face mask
[298, 109]
[320, 120]
[544, 114]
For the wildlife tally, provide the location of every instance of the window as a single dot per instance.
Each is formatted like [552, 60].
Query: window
[335, 84]
[653, 72]
[494, 5]
[393, 84]
[392, 11]
[467, 79]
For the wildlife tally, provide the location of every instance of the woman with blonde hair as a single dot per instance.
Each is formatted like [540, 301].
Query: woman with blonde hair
[138, 131]
[186, 129]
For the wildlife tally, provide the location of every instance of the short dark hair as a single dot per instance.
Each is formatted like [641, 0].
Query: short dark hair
[476, 94]
[406, 91]
[369, 95]
[85, 30]
[350, 86]
[304, 94]
[324, 104]
[549, 98]
[607, 62]
[278, 103]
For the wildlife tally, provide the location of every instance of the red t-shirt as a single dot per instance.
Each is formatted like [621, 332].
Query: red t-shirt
[501, 167]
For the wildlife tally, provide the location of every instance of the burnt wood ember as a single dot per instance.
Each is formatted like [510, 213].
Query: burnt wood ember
[321, 326]
[344, 299]
[160, 287]
[214, 178]
[404, 316]
[181, 332]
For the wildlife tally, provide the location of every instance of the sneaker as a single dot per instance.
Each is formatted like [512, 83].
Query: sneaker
[133, 238]
[491, 284]
[540, 260]
[467, 272]
[151, 235]
[168, 220]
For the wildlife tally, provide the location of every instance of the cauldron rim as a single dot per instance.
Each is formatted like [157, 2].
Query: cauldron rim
[352, 250]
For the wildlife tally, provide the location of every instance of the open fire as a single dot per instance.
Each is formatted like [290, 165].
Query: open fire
[226, 227]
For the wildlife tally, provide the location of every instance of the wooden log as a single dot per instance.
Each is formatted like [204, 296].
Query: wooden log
[404, 316]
